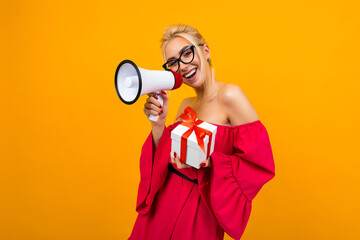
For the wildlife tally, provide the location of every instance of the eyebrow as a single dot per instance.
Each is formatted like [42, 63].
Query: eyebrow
[172, 58]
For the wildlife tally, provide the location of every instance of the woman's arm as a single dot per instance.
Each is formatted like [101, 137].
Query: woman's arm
[157, 131]
[153, 106]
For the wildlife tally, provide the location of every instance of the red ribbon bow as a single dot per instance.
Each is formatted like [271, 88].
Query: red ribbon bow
[192, 124]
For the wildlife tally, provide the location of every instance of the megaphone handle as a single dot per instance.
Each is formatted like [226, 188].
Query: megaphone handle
[154, 118]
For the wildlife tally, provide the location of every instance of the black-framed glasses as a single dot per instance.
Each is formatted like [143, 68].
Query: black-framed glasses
[186, 57]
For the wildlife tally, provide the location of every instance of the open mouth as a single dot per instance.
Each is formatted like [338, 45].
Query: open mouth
[190, 74]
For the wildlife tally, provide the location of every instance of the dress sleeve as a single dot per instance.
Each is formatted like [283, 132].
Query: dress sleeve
[237, 178]
[153, 169]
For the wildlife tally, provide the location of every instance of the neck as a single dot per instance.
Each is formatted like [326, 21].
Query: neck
[203, 94]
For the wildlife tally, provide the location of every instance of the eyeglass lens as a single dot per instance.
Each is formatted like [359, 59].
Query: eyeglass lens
[187, 56]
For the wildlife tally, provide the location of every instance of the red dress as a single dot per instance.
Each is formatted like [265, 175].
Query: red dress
[171, 207]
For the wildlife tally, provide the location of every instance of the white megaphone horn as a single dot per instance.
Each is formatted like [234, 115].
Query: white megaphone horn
[131, 82]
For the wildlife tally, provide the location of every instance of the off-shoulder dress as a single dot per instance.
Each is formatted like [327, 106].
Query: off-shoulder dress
[171, 207]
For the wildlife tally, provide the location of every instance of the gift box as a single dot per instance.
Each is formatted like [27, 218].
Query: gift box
[193, 140]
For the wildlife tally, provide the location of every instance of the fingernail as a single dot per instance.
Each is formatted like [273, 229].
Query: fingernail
[175, 154]
[163, 92]
[202, 164]
[156, 97]
[160, 106]
[161, 111]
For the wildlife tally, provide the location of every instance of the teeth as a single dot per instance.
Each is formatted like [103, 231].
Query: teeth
[190, 73]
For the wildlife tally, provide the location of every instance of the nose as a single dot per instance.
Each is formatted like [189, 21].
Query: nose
[181, 66]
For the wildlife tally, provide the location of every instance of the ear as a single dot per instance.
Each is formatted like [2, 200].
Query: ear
[207, 51]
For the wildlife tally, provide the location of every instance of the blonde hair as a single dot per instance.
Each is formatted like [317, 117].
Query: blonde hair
[194, 37]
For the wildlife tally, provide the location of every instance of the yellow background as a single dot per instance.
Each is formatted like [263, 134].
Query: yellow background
[70, 148]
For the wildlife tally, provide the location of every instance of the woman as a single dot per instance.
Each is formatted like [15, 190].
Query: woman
[177, 201]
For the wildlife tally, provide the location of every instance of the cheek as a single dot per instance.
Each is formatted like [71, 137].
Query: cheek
[197, 62]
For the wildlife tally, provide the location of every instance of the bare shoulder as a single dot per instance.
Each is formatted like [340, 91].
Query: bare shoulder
[230, 92]
[237, 105]
[186, 102]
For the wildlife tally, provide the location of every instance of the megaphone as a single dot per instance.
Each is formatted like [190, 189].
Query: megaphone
[131, 82]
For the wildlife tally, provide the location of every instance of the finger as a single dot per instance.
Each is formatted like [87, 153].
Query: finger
[151, 94]
[154, 101]
[172, 159]
[151, 106]
[185, 165]
[164, 95]
[152, 97]
[149, 111]
[181, 164]
[178, 163]
[205, 163]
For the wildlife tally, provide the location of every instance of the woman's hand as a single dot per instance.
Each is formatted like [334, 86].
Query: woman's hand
[180, 164]
[153, 107]
[206, 163]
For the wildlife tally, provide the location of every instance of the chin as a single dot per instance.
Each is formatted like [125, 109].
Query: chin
[194, 84]
[197, 83]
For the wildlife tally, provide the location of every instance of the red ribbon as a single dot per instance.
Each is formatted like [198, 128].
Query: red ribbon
[192, 124]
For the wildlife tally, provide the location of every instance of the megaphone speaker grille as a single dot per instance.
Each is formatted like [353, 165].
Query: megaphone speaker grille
[128, 82]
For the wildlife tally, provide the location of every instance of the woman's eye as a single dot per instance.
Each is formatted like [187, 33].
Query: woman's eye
[171, 64]
[187, 53]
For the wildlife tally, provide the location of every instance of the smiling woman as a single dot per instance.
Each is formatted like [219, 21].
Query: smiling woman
[177, 35]
[177, 201]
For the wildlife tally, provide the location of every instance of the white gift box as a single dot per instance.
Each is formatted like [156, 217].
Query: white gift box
[194, 154]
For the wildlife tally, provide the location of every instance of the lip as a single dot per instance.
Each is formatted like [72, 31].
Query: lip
[193, 77]
[188, 72]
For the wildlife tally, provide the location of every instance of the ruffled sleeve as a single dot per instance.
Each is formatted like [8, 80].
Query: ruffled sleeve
[153, 169]
[237, 178]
